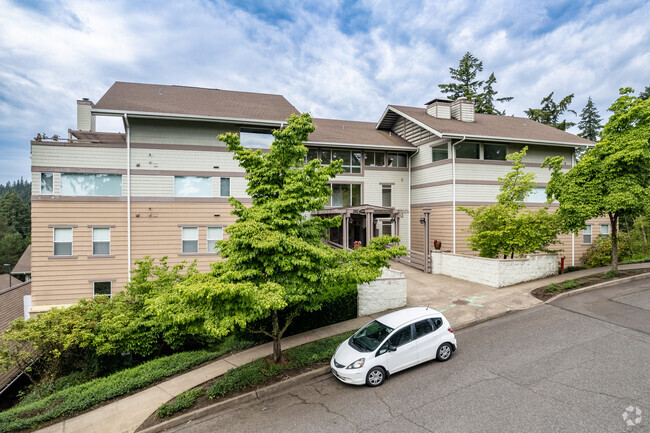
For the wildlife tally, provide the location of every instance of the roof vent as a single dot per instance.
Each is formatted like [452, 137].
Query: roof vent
[463, 109]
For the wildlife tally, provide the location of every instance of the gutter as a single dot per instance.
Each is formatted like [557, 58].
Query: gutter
[127, 127]
[144, 114]
[516, 140]
[362, 146]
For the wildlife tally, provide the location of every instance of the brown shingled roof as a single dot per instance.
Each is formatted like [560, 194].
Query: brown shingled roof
[490, 125]
[24, 265]
[354, 132]
[196, 101]
[99, 137]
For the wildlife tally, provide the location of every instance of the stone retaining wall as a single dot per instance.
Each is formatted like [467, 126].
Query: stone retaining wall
[494, 272]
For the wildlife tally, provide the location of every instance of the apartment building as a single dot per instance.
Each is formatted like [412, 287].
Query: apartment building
[101, 201]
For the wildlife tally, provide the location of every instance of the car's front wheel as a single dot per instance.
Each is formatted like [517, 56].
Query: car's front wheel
[444, 352]
[376, 376]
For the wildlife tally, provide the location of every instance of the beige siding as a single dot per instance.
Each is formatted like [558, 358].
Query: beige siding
[87, 157]
[432, 194]
[150, 186]
[178, 132]
[438, 173]
[183, 160]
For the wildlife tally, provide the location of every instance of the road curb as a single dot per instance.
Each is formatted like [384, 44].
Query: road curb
[243, 400]
[598, 286]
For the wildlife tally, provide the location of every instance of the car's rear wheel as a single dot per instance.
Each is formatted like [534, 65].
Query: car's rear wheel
[444, 352]
[376, 376]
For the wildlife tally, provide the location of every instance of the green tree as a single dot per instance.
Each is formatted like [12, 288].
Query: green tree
[550, 112]
[507, 227]
[16, 213]
[276, 265]
[589, 124]
[469, 86]
[645, 94]
[613, 178]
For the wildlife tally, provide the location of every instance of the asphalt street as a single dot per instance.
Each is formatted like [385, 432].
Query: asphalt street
[576, 365]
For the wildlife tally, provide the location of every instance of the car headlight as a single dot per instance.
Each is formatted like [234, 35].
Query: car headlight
[357, 364]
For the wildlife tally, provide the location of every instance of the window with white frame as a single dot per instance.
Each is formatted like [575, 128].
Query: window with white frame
[224, 187]
[91, 184]
[63, 241]
[386, 195]
[214, 234]
[101, 240]
[47, 183]
[604, 229]
[586, 234]
[102, 288]
[190, 239]
[192, 186]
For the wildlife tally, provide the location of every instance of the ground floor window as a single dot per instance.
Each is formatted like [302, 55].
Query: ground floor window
[345, 195]
[604, 229]
[586, 234]
[102, 288]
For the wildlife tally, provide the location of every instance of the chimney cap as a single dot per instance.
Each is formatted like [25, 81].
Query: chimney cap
[443, 100]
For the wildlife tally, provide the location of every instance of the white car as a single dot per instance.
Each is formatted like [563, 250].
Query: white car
[392, 343]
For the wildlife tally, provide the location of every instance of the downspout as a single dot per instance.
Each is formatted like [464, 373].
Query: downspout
[128, 195]
[453, 191]
[573, 235]
[411, 210]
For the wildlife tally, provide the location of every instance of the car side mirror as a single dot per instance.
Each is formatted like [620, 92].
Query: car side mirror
[392, 348]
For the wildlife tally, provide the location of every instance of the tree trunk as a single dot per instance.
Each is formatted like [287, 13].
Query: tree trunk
[277, 348]
[613, 219]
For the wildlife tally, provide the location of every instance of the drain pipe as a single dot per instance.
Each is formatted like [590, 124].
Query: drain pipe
[453, 191]
[573, 235]
[411, 210]
[128, 195]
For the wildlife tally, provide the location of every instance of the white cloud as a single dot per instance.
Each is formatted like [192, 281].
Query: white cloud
[393, 52]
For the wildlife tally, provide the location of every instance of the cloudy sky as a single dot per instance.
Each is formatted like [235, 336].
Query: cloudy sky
[333, 58]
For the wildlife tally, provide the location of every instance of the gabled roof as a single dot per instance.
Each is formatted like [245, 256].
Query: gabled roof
[24, 265]
[332, 132]
[201, 103]
[485, 126]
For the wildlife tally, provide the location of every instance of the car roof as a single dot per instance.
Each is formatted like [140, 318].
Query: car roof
[401, 317]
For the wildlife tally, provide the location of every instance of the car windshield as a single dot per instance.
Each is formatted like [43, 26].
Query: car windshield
[370, 336]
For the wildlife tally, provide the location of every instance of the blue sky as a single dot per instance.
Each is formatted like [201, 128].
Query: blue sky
[333, 58]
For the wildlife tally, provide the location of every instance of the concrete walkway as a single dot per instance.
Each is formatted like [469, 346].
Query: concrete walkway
[463, 303]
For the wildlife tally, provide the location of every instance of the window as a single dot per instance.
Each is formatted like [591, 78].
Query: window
[101, 241]
[586, 234]
[386, 228]
[63, 241]
[351, 160]
[224, 189]
[345, 195]
[374, 159]
[604, 229]
[467, 150]
[312, 154]
[423, 328]
[402, 337]
[214, 234]
[495, 151]
[190, 239]
[437, 322]
[536, 195]
[47, 183]
[397, 159]
[91, 184]
[386, 196]
[192, 186]
[439, 153]
[256, 138]
[102, 288]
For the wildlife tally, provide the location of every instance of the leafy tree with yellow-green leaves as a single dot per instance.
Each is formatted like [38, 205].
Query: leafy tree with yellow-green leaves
[276, 265]
[611, 179]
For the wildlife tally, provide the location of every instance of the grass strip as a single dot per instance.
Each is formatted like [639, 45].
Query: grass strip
[89, 394]
[181, 402]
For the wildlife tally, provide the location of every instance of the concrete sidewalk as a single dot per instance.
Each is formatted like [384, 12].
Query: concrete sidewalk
[463, 303]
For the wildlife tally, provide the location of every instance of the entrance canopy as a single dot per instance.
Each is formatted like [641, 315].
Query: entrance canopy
[362, 223]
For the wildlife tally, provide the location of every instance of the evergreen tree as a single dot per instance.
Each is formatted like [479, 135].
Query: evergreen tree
[550, 112]
[589, 124]
[468, 86]
[645, 94]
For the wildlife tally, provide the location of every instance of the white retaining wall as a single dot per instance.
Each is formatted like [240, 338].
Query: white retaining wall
[494, 272]
[385, 293]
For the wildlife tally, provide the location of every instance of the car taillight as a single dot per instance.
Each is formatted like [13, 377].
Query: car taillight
[450, 330]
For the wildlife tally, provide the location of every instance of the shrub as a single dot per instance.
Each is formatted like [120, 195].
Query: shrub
[600, 252]
[569, 284]
[182, 402]
[612, 274]
[574, 268]
[552, 288]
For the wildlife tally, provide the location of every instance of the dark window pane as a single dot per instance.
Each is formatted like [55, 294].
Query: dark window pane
[386, 193]
[467, 150]
[62, 248]
[47, 183]
[326, 156]
[439, 153]
[356, 195]
[312, 154]
[341, 154]
[380, 159]
[101, 248]
[401, 337]
[225, 187]
[102, 288]
[495, 151]
[423, 328]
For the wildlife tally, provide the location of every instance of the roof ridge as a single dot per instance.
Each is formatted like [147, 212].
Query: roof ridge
[198, 88]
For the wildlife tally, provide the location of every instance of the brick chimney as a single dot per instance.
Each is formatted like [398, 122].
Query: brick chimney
[85, 120]
[463, 109]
